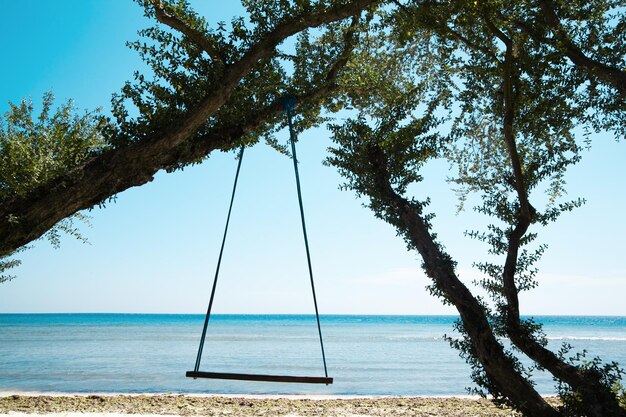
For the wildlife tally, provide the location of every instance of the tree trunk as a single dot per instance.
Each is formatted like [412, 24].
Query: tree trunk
[439, 267]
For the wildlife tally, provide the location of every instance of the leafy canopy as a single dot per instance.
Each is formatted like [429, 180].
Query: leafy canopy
[35, 150]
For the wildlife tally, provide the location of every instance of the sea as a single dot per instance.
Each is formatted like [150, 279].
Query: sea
[366, 355]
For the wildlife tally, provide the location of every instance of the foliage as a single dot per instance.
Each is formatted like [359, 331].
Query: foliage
[235, 74]
[7, 263]
[611, 375]
[508, 83]
[181, 72]
[34, 151]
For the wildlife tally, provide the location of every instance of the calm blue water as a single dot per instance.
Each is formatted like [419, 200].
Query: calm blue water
[367, 355]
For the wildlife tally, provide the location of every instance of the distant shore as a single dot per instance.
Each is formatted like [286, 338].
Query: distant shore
[92, 405]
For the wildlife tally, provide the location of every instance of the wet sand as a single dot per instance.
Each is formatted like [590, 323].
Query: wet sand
[115, 405]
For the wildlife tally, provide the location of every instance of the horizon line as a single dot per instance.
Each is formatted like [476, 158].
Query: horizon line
[292, 314]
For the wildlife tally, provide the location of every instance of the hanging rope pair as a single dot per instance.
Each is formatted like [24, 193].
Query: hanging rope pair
[289, 103]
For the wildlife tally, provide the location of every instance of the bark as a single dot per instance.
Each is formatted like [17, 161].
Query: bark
[497, 365]
[598, 399]
[23, 220]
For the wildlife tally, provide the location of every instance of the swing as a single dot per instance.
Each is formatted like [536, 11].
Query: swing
[288, 103]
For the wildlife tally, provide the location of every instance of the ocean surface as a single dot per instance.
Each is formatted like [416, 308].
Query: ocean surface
[367, 355]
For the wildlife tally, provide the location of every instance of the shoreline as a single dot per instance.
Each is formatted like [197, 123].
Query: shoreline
[314, 397]
[26, 404]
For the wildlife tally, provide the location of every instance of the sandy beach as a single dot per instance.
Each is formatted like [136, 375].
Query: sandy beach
[149, 405]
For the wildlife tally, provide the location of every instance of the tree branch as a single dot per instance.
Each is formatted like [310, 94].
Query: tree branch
[25, 219]
[524, 216]
[448, 30]
[349, 41]
[263, 49]
[194, 35]
[197, 148]
[561, 41]
[469, 43]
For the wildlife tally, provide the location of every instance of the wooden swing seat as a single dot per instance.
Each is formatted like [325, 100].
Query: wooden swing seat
[261, 377]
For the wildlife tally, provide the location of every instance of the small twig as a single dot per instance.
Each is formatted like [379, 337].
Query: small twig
[194, 35]
[469, 43]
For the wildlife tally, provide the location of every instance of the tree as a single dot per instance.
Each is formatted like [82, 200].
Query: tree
[212, 89]
[514, 79]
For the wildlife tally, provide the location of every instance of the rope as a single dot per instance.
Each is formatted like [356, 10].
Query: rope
[219, 262]
[289, 102]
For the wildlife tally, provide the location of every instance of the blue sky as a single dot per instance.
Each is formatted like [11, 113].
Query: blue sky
[155, 248]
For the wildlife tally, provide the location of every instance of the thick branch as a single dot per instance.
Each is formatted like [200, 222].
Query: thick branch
[113, 171]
